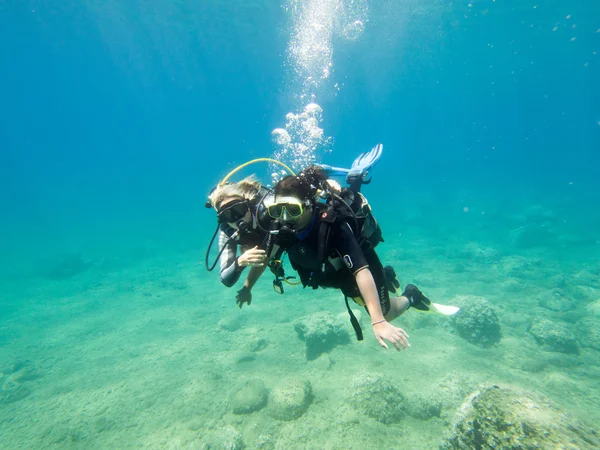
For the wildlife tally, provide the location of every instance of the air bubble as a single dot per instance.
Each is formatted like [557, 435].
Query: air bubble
[353, 30]
[280, 136]
[302, 140]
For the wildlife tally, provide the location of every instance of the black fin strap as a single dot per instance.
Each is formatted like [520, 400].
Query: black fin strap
[354, 321]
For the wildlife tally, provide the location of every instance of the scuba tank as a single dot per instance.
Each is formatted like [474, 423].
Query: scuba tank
[370, 234]
[355, 207]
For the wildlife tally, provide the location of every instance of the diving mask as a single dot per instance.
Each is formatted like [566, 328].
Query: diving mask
[291, 206]
[233, 211]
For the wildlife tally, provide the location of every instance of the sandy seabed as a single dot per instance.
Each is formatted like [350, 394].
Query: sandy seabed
[150, 354]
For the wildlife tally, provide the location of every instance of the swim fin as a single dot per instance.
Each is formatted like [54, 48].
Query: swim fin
[360, 166]
[444, 310]
[419, 302]
[363, 164]
[334, 171]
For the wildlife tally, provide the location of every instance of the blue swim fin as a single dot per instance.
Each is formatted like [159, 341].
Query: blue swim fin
[363, 164]
[360, 166]
[334, 171]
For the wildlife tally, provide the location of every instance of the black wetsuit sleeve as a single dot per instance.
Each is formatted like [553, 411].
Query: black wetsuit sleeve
[346, 245]
[230, 270]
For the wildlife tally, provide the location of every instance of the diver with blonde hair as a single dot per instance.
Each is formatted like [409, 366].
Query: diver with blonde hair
[237, 206]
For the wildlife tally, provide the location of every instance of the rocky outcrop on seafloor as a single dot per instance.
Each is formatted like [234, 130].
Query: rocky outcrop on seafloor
[593, 308]
[375, 396]
[556, 300]
[589, 332]
[476, 321]
[250, 398]
[321, 332]
[66, 266]
[224, 437]
[532, 235]
[423, 407]
[290, 399]
[506, 418]
[553, 336]
[452, 389]
[14, 380]
[536, 228]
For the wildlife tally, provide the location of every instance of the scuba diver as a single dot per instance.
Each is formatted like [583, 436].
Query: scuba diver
[330, 237]
[237, 205]
[244, 222]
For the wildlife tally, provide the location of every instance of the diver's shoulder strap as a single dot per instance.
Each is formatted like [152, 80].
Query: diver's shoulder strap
[354, 321]
[327, 217]
[278, 254]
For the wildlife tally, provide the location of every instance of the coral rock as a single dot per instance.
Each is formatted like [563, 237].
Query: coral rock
[553, 337]
[476, 321]
[376, 397]
[504, 418]
[251, 398]
[290, 399]
[321, 332]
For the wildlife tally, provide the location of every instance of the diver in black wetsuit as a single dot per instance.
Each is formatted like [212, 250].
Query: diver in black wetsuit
[328, 248]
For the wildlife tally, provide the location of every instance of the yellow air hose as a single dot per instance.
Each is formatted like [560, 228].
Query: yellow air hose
[238, 168]
[254, 161]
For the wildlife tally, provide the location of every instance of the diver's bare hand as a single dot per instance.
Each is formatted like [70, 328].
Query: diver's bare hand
[244, 295]
[396, 336]
[255, 257]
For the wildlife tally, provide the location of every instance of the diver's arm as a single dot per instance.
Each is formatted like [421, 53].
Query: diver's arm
[345, 243]
[230, 269]
[244, 295]
[381, 327]
[260, 265]
[368, 291]
[253, 276]
[258, 260]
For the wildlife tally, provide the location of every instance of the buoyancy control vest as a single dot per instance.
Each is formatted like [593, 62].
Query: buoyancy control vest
[316, 264]
[317, 267]
[354, 208]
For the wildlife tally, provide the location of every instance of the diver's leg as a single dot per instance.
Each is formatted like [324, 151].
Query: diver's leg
[385, 278]
[398, 305]
[411, 296]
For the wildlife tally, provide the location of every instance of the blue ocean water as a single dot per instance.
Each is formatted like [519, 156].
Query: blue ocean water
[112, 113]
[117, 118]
